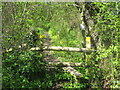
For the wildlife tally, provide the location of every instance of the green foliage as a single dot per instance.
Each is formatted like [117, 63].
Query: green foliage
[23, 68]
[108, 26]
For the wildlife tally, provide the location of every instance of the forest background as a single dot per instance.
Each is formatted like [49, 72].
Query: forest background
[24, 22]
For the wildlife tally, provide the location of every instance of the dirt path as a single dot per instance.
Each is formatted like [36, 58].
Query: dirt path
[49, 58]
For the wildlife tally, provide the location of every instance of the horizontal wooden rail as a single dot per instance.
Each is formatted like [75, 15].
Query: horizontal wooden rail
[56, 48]
[59, 48]
[64, 64]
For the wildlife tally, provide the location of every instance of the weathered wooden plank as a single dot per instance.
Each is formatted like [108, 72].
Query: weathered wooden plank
[64, 64]
[72, 71]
